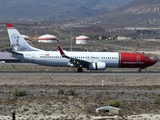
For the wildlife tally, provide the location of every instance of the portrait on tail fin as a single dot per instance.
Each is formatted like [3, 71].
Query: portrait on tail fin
[15, 43]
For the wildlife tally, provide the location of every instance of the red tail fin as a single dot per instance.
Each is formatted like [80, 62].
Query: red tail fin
[9, 25]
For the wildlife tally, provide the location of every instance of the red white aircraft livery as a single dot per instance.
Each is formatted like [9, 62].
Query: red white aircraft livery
[90, 60]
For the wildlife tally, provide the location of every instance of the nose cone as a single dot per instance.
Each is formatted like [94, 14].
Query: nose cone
[152, 61]
[155, 61]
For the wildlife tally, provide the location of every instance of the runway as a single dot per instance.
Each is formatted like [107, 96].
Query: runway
[75, 73]
[70, 73]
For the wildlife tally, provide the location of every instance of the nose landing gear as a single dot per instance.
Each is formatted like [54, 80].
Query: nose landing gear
[80, 69]
[139, 70]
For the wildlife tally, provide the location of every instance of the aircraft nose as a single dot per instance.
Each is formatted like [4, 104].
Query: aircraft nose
[154, 61]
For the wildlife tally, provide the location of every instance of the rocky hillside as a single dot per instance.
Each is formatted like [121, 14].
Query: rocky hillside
[138, 11]
[141, 7]
[42, 9]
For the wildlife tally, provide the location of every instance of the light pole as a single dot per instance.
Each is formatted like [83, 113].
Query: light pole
[13, 111]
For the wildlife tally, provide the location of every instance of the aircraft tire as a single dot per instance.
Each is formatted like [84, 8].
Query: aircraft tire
[139, 70]
[80, 69]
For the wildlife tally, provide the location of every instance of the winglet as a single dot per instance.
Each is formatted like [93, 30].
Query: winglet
[9, 25]
[60, 50]
[62, 53]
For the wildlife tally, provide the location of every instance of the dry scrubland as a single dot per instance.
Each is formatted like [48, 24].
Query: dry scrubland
[136, 93]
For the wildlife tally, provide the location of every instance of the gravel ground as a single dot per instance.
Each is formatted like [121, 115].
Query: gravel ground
[136, 94]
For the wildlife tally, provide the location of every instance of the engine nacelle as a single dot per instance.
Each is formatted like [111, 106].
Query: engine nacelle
[97, 66]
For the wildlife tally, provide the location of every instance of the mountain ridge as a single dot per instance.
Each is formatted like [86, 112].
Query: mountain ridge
[137, 11]
[38, 9]
[141, 6]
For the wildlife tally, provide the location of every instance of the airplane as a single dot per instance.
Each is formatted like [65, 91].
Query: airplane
[90, 60]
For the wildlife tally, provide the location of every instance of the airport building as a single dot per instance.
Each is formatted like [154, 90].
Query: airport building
[82, 40]
[123, 38]
[47, 38]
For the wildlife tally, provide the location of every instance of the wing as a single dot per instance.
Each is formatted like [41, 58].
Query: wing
[74, 61]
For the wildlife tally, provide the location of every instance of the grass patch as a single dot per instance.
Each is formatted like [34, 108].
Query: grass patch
[60, 91]
[18, 92]
[114, 103]
[70, 91]
[157, 99]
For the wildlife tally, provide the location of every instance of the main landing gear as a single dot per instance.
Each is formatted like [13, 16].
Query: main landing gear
[139, 70]
[80, 69]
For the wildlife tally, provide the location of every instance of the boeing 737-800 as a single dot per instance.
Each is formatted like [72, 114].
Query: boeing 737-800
[90, 60]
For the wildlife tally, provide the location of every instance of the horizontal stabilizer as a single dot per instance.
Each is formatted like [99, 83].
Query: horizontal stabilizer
[13, 52]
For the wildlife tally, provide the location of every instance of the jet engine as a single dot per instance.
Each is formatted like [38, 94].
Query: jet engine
[97, 66]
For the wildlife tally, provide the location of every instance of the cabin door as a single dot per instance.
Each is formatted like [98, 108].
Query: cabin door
[33, 57]
[138, 58]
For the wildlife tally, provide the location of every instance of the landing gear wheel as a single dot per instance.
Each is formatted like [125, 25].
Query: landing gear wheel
[80, 69]
[139, 70]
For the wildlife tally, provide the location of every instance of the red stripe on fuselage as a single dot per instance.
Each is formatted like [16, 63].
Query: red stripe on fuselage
[134, 60]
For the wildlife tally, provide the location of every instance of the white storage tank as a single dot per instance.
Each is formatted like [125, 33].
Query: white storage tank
[82, 40]
[26, 38]
[48, 38]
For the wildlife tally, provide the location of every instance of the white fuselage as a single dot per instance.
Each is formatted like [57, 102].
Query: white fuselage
[53, 58]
